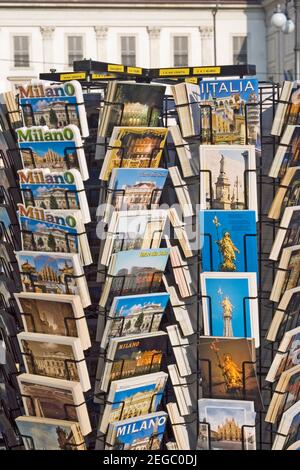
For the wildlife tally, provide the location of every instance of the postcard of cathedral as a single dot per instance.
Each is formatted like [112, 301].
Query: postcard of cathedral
[233, 109]
[133, 397]
[228, 240]
[232, 310]
[56, 149]
[52, 273]
[53, 105]
[228, 369]
[142, 433]
[221, 425]
[225, 180]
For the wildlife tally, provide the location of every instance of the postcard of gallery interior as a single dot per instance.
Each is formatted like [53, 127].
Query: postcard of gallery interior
[48, 397]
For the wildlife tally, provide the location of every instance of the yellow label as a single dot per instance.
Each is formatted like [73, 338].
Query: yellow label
[206, 70]
[102, 76]
[170, 72]
[72, 76]
[191, 80]
[115, 68]
[135, 70]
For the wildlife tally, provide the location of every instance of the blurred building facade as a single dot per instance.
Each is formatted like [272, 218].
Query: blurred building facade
[39, 35]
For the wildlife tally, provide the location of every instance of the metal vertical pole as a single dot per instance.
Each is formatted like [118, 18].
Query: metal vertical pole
[297, 39]
[214, 12]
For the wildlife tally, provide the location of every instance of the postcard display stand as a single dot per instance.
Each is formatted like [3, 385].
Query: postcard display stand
[93, 77]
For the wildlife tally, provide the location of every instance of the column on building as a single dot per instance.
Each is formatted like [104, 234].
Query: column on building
[207, 45]
[47, 35]
[154, 37]
[101, 37]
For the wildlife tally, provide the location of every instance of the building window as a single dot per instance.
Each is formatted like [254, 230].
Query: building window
[128, 50]
[21, 51]
[181, 51]
[75, 49]
[240, 50]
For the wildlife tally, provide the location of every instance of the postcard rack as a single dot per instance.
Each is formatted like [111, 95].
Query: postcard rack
[93, 77]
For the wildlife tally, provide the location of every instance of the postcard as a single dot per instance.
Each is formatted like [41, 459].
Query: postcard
[130, 104]
[287, 154]
[285, 395]
[141, 433]
[60, 357]
[135, 272]
[134, 147]
[288, 193]
[230, 307]
[233, 107]
[53, 273]
[56, 149]
[221, 425]
[288, 275]
[46, 397]
[135, 314]
[179, 427]
[133, 230]
[50, 434]
[181, 349]
[53, 104]
[228, 369]
[186, 97]
[227, 177]
[282, 107]
[286, 315]
[133, 397]
[135, 189]
[132, 356]
[54, 230]
[38, 234]
[288, 429]
[288, 355]
[228, 240]
[50, 190]
[52, 314]
[288, 233]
